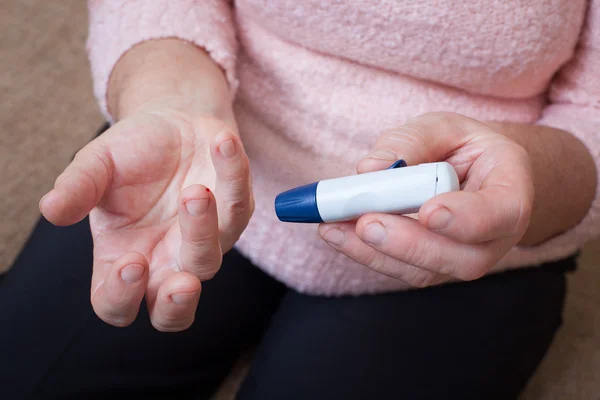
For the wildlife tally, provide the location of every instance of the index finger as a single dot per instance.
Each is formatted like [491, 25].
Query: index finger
[200, 252]
[427, 138]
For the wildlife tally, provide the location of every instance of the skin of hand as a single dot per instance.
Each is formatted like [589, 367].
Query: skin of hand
[167, 188]
[515, 190]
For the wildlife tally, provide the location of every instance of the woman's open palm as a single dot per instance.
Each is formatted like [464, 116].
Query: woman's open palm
[147, 184]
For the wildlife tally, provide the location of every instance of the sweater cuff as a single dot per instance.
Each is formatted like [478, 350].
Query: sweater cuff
[116, 26]
[584, 123]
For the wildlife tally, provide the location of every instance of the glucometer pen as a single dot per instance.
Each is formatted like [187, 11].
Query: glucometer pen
[397, 190]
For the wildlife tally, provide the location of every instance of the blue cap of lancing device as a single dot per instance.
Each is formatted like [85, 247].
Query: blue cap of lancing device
[301, 204]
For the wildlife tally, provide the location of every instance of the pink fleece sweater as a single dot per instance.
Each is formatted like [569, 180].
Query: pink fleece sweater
[317, 81]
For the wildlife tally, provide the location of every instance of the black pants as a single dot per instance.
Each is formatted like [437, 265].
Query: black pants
[477, 340]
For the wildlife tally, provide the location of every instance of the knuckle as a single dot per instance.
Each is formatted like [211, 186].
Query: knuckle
[200, 239]
[103, 159]
[238, 208]
[92, 165]
[168, 321]
[374, 260]
[457, 266]
[96, 157]
[407, 137]
[406, 134]
[203, 266]
[201, 258]
[417, 252]
[201, 231]
[421, 279]
[387, 133]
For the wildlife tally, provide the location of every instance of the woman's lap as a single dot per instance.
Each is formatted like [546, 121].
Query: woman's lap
[469, 340]
[476, 340]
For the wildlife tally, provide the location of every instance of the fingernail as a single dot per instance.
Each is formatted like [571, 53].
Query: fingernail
[440, 219]
[132, 273]
[374, 233]
[184, 298]
[383, 154]
[197, 207]
[227, 148]
[335, 236]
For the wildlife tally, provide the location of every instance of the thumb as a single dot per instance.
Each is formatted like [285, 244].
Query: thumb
[80, 187]
[428, 138]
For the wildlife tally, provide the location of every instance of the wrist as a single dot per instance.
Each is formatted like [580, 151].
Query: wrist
[168, 73]
[564, 175]
[189, 108]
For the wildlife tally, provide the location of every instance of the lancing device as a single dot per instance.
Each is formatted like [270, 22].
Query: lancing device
[396, 190]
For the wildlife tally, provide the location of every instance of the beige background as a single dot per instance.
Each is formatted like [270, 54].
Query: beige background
[47, 112]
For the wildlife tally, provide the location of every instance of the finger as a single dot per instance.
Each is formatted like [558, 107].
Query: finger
[342, 237]
[80, 187]
[233, 187]
[427, 138]
[174, 308]
[406, 240]
[499, 208]
[117, 292]
[200, 248]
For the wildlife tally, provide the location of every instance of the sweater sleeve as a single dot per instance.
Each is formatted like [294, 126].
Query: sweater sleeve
[115, 26]
[574, 106]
